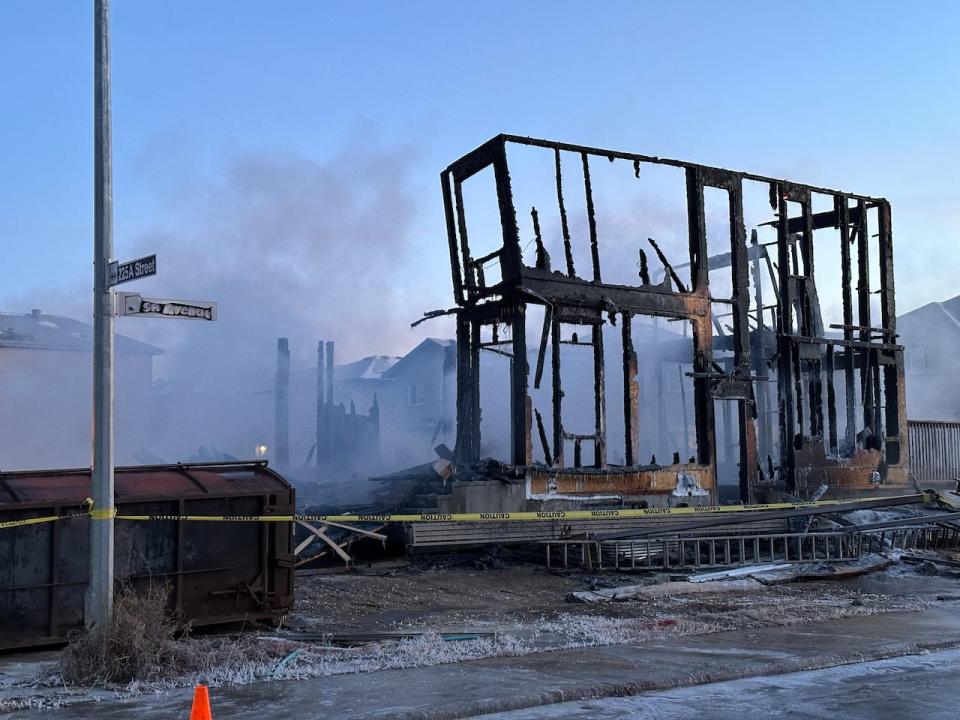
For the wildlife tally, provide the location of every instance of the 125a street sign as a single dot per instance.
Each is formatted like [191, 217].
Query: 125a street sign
[133, 304]
[133, 270]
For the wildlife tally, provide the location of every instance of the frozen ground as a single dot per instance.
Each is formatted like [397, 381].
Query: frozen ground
[912, 686]
[522, 606]
[477, 687]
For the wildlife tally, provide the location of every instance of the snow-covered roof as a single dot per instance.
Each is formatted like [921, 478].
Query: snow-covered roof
[39, 331]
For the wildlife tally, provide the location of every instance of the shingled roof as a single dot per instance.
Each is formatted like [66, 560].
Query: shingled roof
[37, 331]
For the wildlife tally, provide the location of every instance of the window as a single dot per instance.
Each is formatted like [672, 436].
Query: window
[915, 361]
[416, 394]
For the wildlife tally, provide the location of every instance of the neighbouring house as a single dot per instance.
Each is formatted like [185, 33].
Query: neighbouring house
[418, 407]
[413, 399]
[384, 412]
[46, 386]
[931, 339]
[418, 410]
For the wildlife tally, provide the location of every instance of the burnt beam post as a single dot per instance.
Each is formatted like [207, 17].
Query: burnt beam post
[599, 396]
[863, 317]
[511, 257]
[464, 448]
[520, 406]
[474, 391]
[631, 394]
[746, 430]
[556, 389]
[893, 375]
[785, 349]
[702, 333]
[846, 281]
[758, 351]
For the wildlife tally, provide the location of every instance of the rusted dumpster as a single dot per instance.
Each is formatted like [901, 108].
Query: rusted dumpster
[217, 572]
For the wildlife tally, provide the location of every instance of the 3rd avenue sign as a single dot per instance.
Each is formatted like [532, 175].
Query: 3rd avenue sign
[133, 304]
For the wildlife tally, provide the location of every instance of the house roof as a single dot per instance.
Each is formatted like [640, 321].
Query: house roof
[949, 309]
[372, 367]
[39, 331]
[427, 346]
[368, 368]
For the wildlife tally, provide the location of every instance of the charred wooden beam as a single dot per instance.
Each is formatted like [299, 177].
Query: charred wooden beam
[474, 390]
[547, 454]
[863, 272]
[449, 214]
[464, 261]
[822, 220]
[631, 394]
[785, 349]
[556, 391]
[651, 300]
[591, 218]
[667, 266]
[893, 380]
[511, 259]
[644, 271]
[464, 446]
[542, 350]
[564, 224]
[832, 446]
[519, 395]
[702, 335]
[543, 257]
[621, 155]
[599, 398]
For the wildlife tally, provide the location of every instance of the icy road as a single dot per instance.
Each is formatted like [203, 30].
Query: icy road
[904, 687]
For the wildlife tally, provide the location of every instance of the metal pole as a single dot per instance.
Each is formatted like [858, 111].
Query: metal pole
[100, 592]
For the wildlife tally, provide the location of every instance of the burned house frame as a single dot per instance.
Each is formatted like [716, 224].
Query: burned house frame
[828, 381]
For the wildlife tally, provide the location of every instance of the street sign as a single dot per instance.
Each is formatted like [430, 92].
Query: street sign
[133, 270]
[133, 304]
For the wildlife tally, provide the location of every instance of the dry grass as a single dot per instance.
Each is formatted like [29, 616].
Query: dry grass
[140, 644]
[146, 643]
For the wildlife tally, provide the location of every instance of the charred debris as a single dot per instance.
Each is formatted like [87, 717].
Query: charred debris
[616, 350]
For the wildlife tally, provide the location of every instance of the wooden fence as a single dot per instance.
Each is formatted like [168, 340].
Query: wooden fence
[934, 451]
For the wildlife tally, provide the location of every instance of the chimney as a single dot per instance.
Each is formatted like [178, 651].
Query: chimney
[330, 372]
[282, 403]
[321, 408]
[330, 432]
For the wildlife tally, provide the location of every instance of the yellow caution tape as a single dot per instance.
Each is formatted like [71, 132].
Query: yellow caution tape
[105, 513]
[30, 521]
[42, 519]
[517, 516]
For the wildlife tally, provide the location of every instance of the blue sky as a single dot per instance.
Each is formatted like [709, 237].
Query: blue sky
[856, 95]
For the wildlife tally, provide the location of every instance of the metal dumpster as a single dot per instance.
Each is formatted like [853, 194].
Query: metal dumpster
[217, 572]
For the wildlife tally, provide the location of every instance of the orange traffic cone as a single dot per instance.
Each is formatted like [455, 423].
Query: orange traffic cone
[201, 704]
